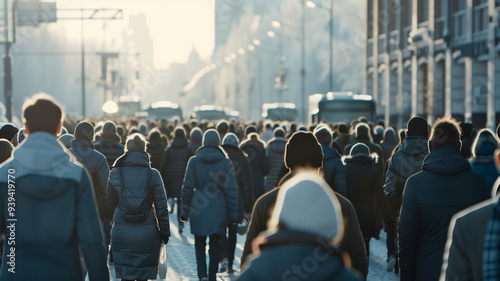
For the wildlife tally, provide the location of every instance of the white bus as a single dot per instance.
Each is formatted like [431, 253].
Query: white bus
[164, 109]
[341, 106]
[280, 112]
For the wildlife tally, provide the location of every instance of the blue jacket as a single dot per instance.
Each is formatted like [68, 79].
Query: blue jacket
[111, 150]
[445, 186]
[173, 166]
[289, 259]
[98, 169]
[56, 214]
[334, 169]
[210, 192]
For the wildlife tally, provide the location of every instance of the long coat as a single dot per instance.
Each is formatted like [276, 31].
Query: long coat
[136, 246]
[210, 192]
[275, 159]
[243, 178]
[445, 186]
[173, 166]
[256, 151]
[155, 150]
[334, 169]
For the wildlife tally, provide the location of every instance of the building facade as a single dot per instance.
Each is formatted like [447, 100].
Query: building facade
[433, 58]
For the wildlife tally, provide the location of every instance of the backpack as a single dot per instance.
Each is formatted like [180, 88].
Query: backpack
[135, 203]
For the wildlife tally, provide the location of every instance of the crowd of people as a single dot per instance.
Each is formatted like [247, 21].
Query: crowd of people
[78, 196]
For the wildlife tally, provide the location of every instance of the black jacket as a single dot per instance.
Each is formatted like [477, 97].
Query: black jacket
[334, 169]
[155, 150]
[110, 150]
[256, 151]
[173, 166]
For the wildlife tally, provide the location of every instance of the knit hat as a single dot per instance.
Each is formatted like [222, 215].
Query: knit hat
[84, 131]
[362, 131]
[343, 128]
[8, 132]
[279, 133]
[180, 132]
[5, 150]
[323, 134]
[306, 203]
[231, 139]
[303, 150]
[359, 149]
[66, 140]
[109, 133]
[196, 136]
[417, 126]
[136, 142]
[211, 138]
[250, 129]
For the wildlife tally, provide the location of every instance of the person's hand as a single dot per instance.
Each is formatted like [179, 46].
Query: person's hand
[232, 226]
[166, 239]
[183, 218]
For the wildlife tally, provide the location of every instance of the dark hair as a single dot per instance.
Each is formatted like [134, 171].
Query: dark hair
[324, 135]
[446, 132]
[42, 114]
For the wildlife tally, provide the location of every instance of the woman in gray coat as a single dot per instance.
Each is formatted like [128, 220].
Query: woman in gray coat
[133, 188]
[210, 198]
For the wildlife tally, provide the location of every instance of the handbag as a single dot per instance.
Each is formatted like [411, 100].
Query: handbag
[162, 263]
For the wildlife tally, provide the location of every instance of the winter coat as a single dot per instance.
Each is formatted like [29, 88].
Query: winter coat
[256, 151]
[110, 150]
[463, 257]
[56, 214]
[390, 142]
[210, 192]
[275, 159]
[136, 246]
[483, 162]
[96, 165]
[403, 164]
[342, 141]
[374, 148]
[173, 166]
[352, 241]
[334, 169]
[292, 249]
[243, 176]
[155, 150]
[445, 186]
[364, 190]
[267, 135]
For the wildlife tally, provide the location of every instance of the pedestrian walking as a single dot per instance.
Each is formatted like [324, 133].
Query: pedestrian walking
[109, 143]
[255, 149]
[483, 159]
[155, 148]
[275, 158]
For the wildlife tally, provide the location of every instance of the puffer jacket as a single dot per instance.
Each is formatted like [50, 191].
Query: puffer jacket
[210, 192]
[173, 166]
[483, 162]
[98, 170]
[275, 159]
[136, 246]
[110, 150]
[334, 169]
[256, 151]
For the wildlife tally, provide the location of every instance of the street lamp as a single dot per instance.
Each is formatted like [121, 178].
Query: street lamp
[256, 42]
[241, 51]
[276, 24]
[251, 47]
[271, 34]
[312, 5]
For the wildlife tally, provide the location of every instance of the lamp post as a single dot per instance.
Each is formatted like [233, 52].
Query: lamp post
[312, 5]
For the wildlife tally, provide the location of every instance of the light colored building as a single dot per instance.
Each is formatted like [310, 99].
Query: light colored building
[450, 65]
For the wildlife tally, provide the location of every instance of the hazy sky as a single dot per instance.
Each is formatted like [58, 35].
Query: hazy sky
[176, 26]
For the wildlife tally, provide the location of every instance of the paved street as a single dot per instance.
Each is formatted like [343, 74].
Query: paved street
[182, 263]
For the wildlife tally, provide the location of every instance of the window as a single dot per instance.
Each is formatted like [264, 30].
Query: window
[423, 11]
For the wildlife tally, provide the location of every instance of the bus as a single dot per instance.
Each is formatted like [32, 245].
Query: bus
[166, 110]
[341, 106]
[128, 106]
[280, 112]
[209, 112]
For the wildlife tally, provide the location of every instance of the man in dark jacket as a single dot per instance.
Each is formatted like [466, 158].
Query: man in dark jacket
[333, 167]
[95, 163]
[243, 176]
[53, 219]
[343, 136]
[363, 136]
[109, 143]
[403, 164]
[173, 167]
[275, 157]
[445, 186]
[256, 151]
[304, 151]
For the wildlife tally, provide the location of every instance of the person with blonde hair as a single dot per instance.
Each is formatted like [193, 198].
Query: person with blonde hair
[133, 188]
[483, 160]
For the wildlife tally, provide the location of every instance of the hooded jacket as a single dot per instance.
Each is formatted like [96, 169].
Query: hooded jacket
[334, 169]
[173, 166]
[56, 214]
[483, 162]
[403, 164]
[275, 159]
[210, 192]
[96, 165]
[445, 186]
[390, 142]
[256, 151]
[111, 150]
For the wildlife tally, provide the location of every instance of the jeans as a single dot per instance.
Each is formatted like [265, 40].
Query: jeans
[214, 253]
[228, 246]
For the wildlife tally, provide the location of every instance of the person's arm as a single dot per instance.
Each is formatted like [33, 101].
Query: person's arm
[113, 198]
[256, 225]
[456, 259]
[188, 188]
[382, 204]
[165, 161]
[408, 231]
[231, 192]
[101, 188]
[89, 231]
[391, 183]
[339, 177]
[160, 203]
[247, 185]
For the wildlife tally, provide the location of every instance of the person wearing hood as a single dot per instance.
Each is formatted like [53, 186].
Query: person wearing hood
[56, 219]
[173, 167]
[304, 152]
[210, 200]
[333, 167]
[363, 135]
[5, 150]
[482, 161]
[389, 143]
[243, 176]
[275, 158]
[155, 148]
[304, 228]
[343, 136]
[403, 164]
[268, 132]
[255, 149]
[95, 163]
[9, 132]
[109, 143]
[364, 190]
[445, 186]
[195, 138]
[141, 222]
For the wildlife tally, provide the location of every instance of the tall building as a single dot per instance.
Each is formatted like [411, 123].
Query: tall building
[434, 58]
